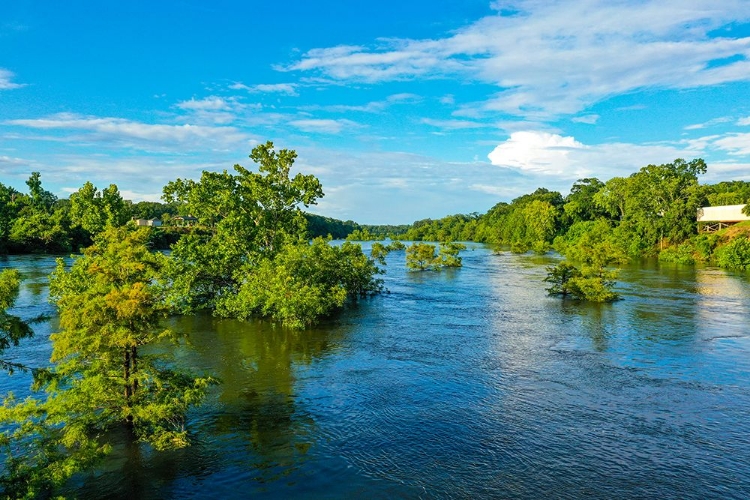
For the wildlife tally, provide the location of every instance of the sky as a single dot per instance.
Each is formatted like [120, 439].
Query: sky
[403, 109]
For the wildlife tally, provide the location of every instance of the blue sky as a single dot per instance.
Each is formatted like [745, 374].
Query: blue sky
[403, 109]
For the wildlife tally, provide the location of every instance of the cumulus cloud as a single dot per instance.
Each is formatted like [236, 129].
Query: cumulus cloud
[6, 80]
[559, 57]
[558, 158]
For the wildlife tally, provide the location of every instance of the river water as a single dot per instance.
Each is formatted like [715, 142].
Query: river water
[465, 383]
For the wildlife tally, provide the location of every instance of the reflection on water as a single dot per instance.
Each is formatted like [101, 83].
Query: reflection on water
[469, 383]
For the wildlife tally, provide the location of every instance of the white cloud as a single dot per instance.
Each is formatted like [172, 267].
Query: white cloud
[213, 109]
[370, 107]
[734, 144]
[742, 122]
[709, 123]
[588, 119]
[6, 80]
[123, 132]
[211, 103]
[289, 89]
[323, 125]
[558, 159]
[559, 57]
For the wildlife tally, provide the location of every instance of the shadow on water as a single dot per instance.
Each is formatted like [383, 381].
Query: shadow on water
[250, 432]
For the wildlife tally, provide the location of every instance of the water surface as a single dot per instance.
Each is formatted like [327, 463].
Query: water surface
[463, 383]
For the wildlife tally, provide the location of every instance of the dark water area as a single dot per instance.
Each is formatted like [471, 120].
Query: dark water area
[465, 383]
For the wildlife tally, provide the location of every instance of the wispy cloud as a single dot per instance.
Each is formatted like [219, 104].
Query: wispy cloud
[370, 107]
[734, 144]
[6, 80]
[743, 122]
[588, 119]
[709, 123]
[584, 51]
[323, 126]
[289, 89]
[123, 132]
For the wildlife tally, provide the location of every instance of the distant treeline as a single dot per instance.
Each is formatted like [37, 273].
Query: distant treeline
[651, 212]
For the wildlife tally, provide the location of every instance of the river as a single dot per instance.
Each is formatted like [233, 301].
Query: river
[465, 383]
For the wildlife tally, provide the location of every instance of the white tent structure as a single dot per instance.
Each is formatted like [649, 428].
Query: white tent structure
[715, 218]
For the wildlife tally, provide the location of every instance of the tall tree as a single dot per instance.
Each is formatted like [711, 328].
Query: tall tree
[245, 217]
[110, 305]
[94, 210]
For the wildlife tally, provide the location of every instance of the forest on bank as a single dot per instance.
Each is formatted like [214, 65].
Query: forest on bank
[241, 247]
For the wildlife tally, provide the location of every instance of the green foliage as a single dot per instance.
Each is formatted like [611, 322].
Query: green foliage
[302, 283]
[593, 243]
[94, 210]
[395, 245]
[728, 193]
[705, 244]
[580, 204]
[684, 253]
[110, 306]
[735, 255]
[379, 252]
[246, 218]
[448, 256]
[454, 227]
[422, 256]
[319, 226]
[587, 284]
[363, 235]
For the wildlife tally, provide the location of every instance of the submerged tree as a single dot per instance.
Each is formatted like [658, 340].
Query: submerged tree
[110, 306]
[251, 255]
[422, 256]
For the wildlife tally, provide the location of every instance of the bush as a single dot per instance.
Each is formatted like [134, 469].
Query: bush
[735, 255]
[681, 254]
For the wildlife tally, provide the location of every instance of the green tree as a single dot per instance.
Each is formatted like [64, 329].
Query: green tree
[9, 209]
[246, 218]
[420, 256]
[580, 204]
[303, 283]
[110, 305]
[94, 210]
[39, 197]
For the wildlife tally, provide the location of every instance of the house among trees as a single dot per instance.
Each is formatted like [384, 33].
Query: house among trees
[184, 220]
[147, 222]
[714, 218]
